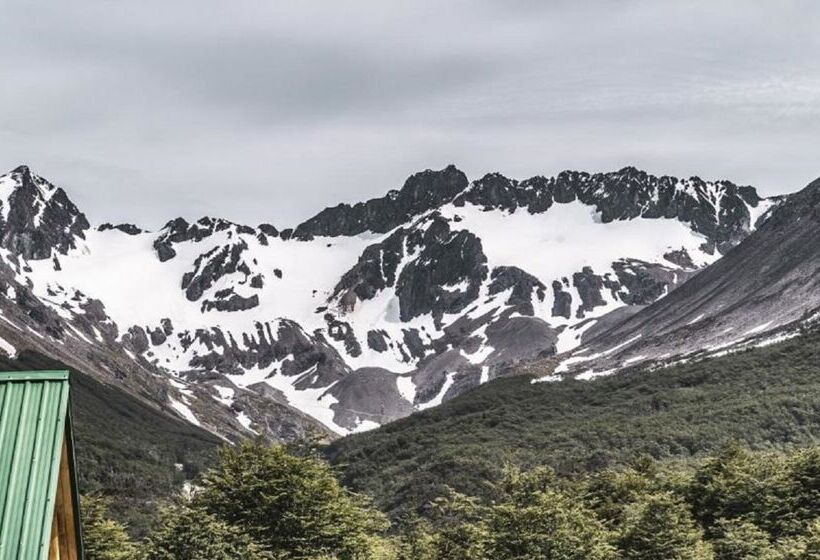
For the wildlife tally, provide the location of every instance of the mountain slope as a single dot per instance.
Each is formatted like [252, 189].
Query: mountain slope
[759, 292]
[40, 228]
[764, 397]
[364, 313]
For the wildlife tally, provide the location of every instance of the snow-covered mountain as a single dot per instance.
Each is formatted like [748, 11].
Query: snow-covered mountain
[765, 290]
[363, 313]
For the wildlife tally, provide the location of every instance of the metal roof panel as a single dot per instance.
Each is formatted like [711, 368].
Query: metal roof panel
[33, 412]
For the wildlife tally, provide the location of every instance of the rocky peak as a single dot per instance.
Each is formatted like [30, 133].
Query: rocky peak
[420, 193]
[37, 219]
[800, 206]
[23, 172]
[179, 231]
[718, 210]
[430, 189]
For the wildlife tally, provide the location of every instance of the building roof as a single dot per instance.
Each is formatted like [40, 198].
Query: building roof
[34, 417]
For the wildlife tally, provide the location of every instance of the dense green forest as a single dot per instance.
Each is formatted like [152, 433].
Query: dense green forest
[264, 503]
[635, 465]
[766, 398]
[709, 460]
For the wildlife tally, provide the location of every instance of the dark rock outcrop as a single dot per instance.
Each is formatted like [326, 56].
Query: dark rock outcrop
[641, 283]
[368, 394]
[310, 359]
[377, 340]
[421, 192]
[213, 265]
[681, 258]
[562, 301]
[157, 336]
[38, 219]
[342, 332]
[524, 287]
[129, 229]
[230, 302]
[180, 231]
[590, 287]
[268, 230]
[445, 275]
[376, 269]
[136, 340]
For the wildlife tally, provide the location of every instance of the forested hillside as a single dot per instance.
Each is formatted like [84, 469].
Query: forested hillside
[766, 398]
[266, 503]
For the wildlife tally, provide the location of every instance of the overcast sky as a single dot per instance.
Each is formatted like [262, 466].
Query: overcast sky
[270, 111]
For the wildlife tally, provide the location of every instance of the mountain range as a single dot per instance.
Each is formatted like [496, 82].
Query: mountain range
[368, 312]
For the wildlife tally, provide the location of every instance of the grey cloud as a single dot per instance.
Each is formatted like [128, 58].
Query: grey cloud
[272, 110]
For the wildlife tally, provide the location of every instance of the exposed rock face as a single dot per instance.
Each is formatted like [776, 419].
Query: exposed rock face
[272, 416]
[212, 266]
[432, 375]
[445, 276]
[284, 347]
[518, 339]
[136, 340]
[681, 258]
[562, 301]
[341, 331]
[421, 192]
[414, 346]
[37, 219]
[45, 318]
[158, 337]
[496, 192]
[524, 287]
[632, 282]
[375, 270]
[369, 394]
[269, 230]
[226, 300]
[590, 288]
[377, 340]
[180, 231]
[129, 229]
[641, 283]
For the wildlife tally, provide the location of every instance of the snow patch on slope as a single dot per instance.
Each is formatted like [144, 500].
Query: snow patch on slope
[8, 348]
[185, 411]
[568, 237]
[439, 398]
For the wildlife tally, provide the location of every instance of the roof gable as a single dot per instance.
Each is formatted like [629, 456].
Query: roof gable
[33, 420]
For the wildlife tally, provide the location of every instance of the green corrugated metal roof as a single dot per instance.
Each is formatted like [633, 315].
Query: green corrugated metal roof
[33, 416]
